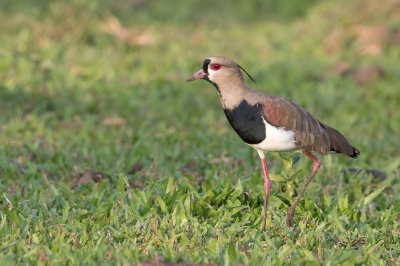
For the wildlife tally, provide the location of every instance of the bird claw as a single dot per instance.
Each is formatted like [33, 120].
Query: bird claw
[289, 217]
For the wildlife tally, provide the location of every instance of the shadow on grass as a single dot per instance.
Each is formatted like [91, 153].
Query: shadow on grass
[20, 102]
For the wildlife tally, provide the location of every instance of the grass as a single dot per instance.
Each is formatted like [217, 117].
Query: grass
[108, 156]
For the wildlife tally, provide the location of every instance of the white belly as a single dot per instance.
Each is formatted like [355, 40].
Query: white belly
[277, 139]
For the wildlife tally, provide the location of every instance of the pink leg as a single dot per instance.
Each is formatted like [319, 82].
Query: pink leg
[316, 165]
[267, 188]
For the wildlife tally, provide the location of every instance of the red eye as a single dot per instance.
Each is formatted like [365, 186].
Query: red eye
[215, 66]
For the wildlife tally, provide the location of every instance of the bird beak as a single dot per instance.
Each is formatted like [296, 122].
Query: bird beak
[198, 75]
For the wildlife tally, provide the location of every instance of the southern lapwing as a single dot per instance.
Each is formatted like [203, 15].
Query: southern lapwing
[271, 123]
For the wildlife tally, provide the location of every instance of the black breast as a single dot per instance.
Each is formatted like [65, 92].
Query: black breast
[247, 121]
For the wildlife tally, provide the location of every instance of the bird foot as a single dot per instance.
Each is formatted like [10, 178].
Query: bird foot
[263, 227]
[289, 217]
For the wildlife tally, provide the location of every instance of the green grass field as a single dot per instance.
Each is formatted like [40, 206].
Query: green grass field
[107, 155]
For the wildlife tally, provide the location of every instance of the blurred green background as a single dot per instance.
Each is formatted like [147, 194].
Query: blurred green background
[93, 102]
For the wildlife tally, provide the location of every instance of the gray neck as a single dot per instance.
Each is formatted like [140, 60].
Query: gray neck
[232, 95]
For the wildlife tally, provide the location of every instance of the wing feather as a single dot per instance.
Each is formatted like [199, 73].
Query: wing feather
[310, 133]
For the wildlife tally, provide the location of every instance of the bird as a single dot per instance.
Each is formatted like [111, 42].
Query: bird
[270, 123]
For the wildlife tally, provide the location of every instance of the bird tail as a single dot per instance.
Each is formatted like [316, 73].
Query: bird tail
[339, 144]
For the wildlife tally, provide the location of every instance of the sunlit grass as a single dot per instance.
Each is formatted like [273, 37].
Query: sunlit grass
[108, 156]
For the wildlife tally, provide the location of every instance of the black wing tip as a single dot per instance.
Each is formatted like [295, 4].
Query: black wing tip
[355, 154]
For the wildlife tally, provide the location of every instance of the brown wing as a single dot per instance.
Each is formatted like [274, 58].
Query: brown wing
[310, 133]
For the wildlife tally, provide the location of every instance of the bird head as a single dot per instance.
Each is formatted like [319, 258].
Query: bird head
[219, 70]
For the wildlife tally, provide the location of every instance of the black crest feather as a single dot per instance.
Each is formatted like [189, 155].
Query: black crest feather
[246, 73]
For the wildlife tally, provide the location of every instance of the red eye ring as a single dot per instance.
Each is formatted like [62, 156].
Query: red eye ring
[215, 66]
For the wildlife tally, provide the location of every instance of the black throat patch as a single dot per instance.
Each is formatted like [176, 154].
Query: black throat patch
[247, 121]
